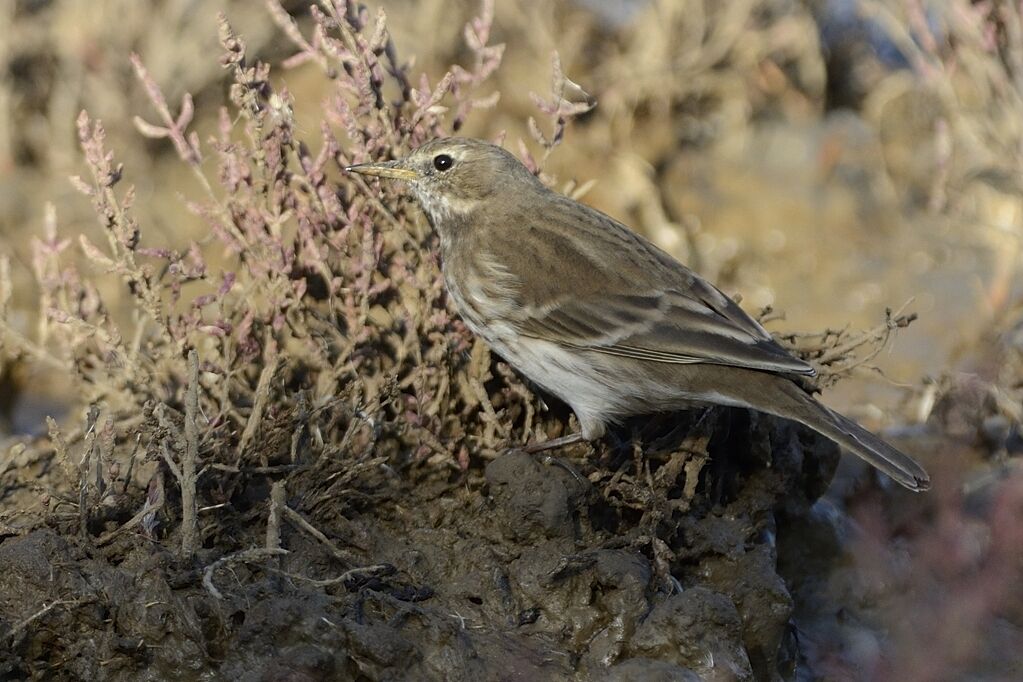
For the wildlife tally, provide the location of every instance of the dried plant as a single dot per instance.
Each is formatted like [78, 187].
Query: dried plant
[327, 325]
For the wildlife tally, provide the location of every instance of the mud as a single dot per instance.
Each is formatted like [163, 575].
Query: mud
[603, 565]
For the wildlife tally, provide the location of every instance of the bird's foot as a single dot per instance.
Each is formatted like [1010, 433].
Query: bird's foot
[552, 444]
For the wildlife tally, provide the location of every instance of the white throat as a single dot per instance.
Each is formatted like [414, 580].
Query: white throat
[441, 207]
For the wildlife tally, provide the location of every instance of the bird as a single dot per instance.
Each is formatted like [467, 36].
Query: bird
[597, 315]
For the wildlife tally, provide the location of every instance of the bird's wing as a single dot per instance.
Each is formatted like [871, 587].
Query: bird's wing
[671, 327]
[612, 291]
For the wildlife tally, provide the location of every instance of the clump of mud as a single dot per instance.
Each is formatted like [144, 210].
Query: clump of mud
[614, 563]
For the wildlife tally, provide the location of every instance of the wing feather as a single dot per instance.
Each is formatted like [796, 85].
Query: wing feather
[587, 281]
[664, 328]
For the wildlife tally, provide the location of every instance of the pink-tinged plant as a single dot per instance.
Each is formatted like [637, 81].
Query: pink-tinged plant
[314, 314]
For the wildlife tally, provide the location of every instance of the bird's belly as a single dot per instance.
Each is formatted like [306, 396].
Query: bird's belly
[595, 394]
[598, 387]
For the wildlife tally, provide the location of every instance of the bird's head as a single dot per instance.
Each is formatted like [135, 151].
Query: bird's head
[452, 177]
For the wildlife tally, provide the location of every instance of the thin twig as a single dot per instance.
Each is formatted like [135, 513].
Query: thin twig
[236, 558]
[273, 469]
[189, 503]
[346, 577]
[312, 530]
[18, 627]
[273, 523]
[260, 402]
[879, 333]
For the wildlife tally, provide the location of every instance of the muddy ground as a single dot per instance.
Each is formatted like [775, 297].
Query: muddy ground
[523, 570]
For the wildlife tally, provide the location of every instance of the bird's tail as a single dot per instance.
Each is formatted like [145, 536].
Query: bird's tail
[792, 402]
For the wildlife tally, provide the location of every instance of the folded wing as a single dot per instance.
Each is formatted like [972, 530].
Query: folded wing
[689, 325]
[617, 293]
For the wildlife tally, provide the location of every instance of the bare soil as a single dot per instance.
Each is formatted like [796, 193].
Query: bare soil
[524, 569]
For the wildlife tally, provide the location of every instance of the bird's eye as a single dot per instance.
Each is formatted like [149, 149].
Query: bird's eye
[442, 162]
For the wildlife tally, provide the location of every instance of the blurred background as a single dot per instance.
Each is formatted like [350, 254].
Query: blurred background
[829, 159]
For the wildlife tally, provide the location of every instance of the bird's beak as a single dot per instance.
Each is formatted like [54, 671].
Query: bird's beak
[388, 169]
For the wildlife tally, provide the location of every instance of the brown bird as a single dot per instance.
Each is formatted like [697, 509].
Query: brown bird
[596, 314]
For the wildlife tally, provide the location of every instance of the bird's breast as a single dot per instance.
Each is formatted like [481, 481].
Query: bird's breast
[483, 294]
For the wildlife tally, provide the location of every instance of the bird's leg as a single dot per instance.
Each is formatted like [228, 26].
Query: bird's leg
[553, 443]
[544, 446]
[706, 411]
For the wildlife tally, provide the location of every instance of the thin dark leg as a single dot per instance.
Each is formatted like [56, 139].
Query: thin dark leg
[544, 446]
[553, 443]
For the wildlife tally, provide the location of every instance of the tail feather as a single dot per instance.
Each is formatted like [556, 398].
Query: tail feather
[802, 408]
[876, 452]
